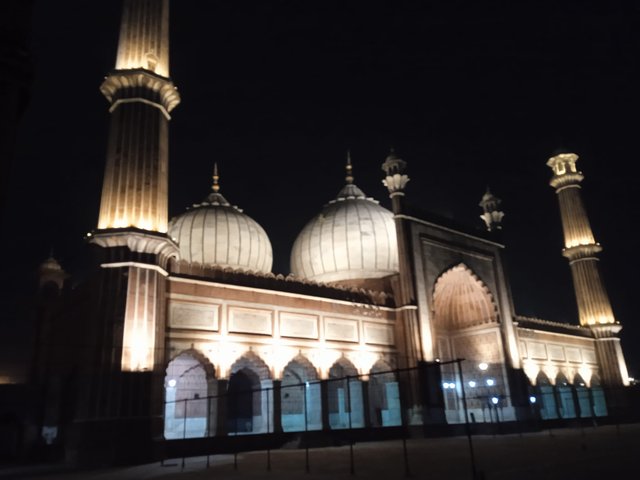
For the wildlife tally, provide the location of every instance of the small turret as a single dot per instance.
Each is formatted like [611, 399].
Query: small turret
[492, 215]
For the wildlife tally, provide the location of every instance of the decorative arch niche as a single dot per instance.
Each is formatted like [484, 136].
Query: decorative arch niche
[462, 300]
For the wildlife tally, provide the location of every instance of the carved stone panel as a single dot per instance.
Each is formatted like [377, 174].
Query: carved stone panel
[537, 350]
[341, 329]
[573, 354]
[556, 352]
[378, 334]
[250, 320]
[199, 316]
[298, 325]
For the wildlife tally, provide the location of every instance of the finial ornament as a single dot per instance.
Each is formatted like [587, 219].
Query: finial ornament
[216, 186]
[349, 169]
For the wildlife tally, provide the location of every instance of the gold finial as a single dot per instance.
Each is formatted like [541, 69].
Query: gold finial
[216, 177]
[349, 168]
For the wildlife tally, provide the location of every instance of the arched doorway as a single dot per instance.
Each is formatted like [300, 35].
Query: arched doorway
[384, 396]
[301, 404]
[465, 325]
[189, 385]
[548, 406]
[243, 401]
[345, 396]
[582, 394]
[249, 396]
[565, 397]
[598, 399]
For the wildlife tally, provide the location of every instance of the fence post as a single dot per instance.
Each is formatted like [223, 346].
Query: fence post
[306, 426]
[184, 430]
[268, 432]
[351, 467]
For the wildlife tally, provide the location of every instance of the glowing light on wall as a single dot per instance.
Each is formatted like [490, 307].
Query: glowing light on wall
[143, 223]
[138, 340]
[531, 370]
[580, 241]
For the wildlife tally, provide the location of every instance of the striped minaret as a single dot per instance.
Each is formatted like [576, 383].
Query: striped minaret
[581, 249]
[141, 94]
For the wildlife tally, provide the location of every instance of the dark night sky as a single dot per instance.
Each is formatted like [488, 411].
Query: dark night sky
[469, 93]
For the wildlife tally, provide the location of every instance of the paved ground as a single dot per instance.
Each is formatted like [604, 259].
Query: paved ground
[581, 454]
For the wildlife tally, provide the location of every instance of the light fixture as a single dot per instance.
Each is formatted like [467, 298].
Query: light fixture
[495, 400]
[483, 366]
[491, 382]
[532, 399]
[172, 382]
[472, 383]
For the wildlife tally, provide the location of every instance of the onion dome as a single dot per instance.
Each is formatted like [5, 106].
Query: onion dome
[217, 233]
[353, 237]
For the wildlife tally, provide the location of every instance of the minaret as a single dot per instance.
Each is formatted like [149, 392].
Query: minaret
[141, 94]
[581, 250]
[408, 330]
[491, 215]
[124, 345]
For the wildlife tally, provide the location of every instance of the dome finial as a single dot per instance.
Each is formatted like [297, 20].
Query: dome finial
[349, 169]
[215, 187]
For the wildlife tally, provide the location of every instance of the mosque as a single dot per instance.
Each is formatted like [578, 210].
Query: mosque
[183, 316]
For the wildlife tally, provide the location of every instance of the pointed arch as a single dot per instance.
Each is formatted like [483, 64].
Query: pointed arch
[300, 396]
[251, 361]
[300, 363]
[198, 356]
[564, 396]
[597, 396]
[546, 395]
[461, 300]
[384, 396]
[342, 368]
[344, 391]
[582, 396]
[189, 384]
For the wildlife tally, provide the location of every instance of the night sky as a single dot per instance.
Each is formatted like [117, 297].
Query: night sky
[470, 94]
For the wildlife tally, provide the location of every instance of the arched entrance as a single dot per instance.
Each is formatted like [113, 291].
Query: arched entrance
[301, 405]
[345, 396]
[548, 406]
[189, 385]
[384, 396]
[582, 394]
[249, 396]
[565, 397]
[465, 325]
[243, 401]
[597, 397]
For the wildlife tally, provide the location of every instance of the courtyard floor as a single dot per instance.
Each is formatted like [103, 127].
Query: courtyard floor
[582, 453]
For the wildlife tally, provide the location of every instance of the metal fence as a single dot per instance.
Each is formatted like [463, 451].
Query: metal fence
[445, 398]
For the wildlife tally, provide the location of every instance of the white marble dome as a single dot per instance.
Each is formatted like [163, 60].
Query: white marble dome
[353, 237]
[217, 233]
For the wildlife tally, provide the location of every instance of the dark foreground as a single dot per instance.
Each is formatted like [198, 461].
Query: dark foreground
[582, 453]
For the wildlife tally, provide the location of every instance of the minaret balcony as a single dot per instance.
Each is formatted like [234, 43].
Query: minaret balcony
[123, 86]
[582, 252]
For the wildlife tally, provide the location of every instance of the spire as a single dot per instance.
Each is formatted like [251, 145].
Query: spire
[215, 197]
[350, 191]
[216, 186]
[492, 216]
[349, 169]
